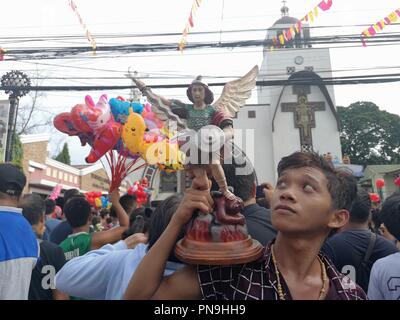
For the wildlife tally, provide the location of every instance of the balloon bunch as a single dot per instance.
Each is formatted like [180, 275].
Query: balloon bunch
[129, 128]
[141, 191]
[93, 124]
[165, 154]
[97, 200]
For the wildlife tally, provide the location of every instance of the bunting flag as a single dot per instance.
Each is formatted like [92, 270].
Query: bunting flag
[2, 53]
[379, 26]
[289, 34]
[88, 35]
[190, 23]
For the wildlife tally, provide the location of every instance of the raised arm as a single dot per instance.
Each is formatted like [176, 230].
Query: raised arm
[147, 282]
[148, 93]
[113, 235]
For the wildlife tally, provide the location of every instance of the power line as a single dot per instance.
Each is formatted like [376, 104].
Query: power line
[263, 83]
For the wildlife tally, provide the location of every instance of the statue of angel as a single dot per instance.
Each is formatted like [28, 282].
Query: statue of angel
[202, 114]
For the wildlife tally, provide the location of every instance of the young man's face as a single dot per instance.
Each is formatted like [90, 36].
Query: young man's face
[301, 202]
[198, 93]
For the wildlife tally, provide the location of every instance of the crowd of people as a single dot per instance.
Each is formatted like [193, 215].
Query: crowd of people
[323, 239]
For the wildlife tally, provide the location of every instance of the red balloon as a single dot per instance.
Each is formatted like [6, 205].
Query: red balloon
[374, 197]
[380, 183]
[397, 181]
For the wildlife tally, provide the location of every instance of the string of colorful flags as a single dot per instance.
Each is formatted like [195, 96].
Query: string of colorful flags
[290, 33]
[88, 35]
[190, 23]
[2, 53]
[375, 28]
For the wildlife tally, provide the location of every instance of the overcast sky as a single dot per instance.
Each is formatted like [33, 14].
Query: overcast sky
[118, 17]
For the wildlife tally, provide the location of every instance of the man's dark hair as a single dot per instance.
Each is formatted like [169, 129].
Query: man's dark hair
[128, 202]
[138, 222]
[390, 214]
[70, 194]
[361, 208]
[33, 208]
[77, 211]
[160, 219]
[341, 184]
[50, 206]
[242, 184]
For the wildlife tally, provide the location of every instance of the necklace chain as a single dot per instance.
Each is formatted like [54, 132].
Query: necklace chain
[279, 285]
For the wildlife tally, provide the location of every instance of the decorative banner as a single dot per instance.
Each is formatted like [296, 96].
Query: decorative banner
[289, 34]
[372, 30]
[87, 33]
[189, 24]
[2, 53]
[4, 111]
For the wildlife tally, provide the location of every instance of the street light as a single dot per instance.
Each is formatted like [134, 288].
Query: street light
[16, 83]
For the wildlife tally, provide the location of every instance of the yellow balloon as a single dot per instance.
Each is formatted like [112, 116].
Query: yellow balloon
[133, 132]
[98, 202]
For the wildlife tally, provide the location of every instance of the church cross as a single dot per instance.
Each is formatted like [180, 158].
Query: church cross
[304, 116]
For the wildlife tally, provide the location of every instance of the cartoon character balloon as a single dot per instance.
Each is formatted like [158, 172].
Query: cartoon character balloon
[93, 124]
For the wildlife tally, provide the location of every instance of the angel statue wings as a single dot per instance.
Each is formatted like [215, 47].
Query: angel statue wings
[211, 121]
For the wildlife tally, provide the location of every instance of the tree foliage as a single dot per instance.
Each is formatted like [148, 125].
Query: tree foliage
[17, 154]
[369, 135]
[64, 156]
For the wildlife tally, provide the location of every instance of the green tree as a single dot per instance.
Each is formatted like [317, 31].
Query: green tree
[17, 153]
[369, 135]
[63, 156]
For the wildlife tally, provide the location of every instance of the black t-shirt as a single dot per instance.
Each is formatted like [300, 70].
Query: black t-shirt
[258, 220]
[347, 249]
[61, 232]
[51, 260]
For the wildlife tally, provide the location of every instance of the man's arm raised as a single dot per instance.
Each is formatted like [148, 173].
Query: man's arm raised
[113, 235]
[147, 282]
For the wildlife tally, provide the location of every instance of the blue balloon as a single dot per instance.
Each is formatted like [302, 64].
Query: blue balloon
[120, 109]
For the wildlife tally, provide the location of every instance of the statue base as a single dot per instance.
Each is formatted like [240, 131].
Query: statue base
[218, 253]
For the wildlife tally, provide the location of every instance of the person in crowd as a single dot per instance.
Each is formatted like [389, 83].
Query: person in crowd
[138, 222]
[78, 213]
[104, 274]
[258, 219]
[355, 249]
[128, 202]
[386, 233]
[51, 223]
[63, 230]
[384, 283]
[19, 249]
[264, 200]
[104, 216]
[51, 256]
[310, 201]
[375, 220]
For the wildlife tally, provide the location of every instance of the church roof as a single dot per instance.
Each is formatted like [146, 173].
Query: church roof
[286, 20]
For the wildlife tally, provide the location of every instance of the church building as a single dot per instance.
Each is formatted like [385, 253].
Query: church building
[291, 117]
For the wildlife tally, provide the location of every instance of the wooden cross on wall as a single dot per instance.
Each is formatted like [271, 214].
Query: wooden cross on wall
[304, 115]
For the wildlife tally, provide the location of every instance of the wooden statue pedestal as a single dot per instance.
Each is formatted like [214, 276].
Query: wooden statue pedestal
[220, 238]
[218, 253]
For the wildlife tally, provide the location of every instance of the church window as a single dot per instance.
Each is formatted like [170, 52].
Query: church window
[251, 114]
[311, 69]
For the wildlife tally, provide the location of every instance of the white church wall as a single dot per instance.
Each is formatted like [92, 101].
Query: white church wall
[259, 129]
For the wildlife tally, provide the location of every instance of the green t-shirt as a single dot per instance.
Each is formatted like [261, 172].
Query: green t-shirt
[76, 245]
[196, 119]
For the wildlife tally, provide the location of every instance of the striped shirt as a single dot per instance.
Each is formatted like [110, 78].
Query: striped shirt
[19, 251]
[258, 281]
